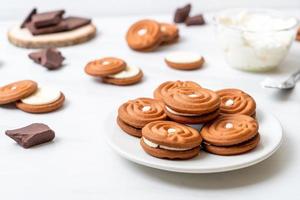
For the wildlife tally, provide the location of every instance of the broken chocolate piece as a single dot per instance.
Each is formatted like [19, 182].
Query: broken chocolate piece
[62, 26]
[28, 18]
[47, 18]
[31, 135]
[182, 13]
[76, 22]
[36, 56]
[195, 20]
[51, 58]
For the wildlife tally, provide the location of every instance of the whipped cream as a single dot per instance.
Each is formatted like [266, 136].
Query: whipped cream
[130, 71]
[43, 95]
[154, 145]
[182, 114]
[255, 41]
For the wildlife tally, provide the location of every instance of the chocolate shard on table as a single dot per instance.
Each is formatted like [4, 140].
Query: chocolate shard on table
[195, 20]
[31, 135]
[182, 13]
[76, 22]
[28, 18]
[47, 18]
[62, 26]
[50, 58]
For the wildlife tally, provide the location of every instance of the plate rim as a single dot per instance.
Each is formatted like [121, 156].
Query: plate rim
[165, 167]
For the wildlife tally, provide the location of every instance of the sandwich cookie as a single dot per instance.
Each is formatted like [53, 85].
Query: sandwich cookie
[130, 75]
[135, 114]
[170, 140]
[184, 60]
[170, 33]
[235, 101]
[105, 66]
[144, 35]
[42, 101]
[16, 91]
[191, 105]
[165, 87]
[230, 135]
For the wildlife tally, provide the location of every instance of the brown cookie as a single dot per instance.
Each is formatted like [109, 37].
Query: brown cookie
[184, 60]
[144, 35]
[44, 100]
[16, 91]
[235, 101]
[165, 87]
[191, 119]
[138, 112]
[298, 35]
[137, 132]
[230, 130]
[232, 150]
[171, 140]
[105, 66]
[170, 33]
[130, 75]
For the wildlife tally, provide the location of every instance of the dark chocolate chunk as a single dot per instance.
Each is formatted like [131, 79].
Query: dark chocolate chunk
[47, 30]
[195, 20]
[36, 56]
[51, 58]
[47, 18]
[182, 13]
[31, 135]
[76, 22]
[28, 18]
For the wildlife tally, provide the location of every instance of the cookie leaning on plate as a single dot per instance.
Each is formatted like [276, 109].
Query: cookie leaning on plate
[191, 105]
[235, 101]
[135, 114]
[171, 140]
[44, 100]
[163, 88]
[16, 91]
[230, 135]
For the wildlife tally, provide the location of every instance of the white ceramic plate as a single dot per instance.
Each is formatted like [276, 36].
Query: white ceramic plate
[128, 147]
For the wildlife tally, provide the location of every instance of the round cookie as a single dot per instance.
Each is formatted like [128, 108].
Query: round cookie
[16, 91]
[42, 101]
[184, 60]
[130, 75]
[235, 101]
[171, 140]
[230, 130]
[163, 88]
[170, 33]
[144, 35]
[137, 132]
[139, 112]
[22, 37]
[105, 66]
[232, 150]
[298, 35]
[192, 100]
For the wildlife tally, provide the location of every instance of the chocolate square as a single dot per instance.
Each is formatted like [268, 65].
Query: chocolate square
[31, 135]
[47, 18]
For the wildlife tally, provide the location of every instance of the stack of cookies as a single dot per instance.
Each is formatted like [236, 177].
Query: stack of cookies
[148, 35]
[27, 96]
[163, 123]
[114, 71]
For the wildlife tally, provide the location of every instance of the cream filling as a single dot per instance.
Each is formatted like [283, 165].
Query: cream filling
[183, 57]
[182, 114]
[130, 71]
[43, 95]
[154, 145]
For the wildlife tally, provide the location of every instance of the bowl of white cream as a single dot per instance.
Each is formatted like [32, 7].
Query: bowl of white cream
[255, 40]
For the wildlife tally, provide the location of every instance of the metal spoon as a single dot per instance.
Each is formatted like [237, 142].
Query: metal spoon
[289, 83]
